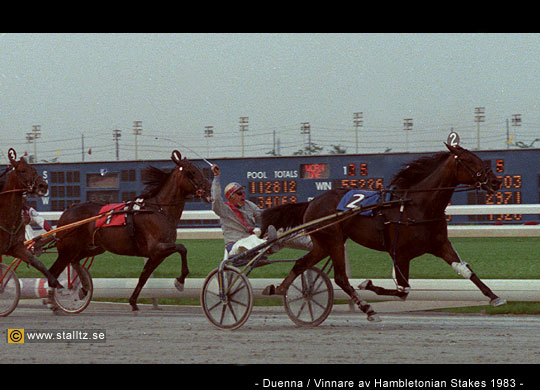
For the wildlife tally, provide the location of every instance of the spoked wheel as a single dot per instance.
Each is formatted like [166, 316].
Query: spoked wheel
[310, 297]
[232, 310]
[10, 290]
[78, 289]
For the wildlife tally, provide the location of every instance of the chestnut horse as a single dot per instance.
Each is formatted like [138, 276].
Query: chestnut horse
[409, 230]
[152, 232]
[17, 181]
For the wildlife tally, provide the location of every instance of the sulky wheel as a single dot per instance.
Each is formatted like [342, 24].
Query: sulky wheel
[309, 298]
[78, 289]
[232, 310]
[10, 290]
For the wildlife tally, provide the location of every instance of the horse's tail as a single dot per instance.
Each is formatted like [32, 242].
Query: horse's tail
[284, 216]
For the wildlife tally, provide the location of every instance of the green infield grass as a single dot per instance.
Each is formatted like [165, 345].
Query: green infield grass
[490, 258]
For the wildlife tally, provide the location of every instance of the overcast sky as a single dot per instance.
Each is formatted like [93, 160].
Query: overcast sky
[176, 84]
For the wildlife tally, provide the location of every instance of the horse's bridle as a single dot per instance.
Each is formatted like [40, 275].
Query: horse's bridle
[28, 188]
[198, 187]
[480, 177]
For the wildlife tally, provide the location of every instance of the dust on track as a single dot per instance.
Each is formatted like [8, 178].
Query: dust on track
[182, 334]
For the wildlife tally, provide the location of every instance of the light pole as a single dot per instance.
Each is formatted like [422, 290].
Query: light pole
[479, 116]
[208, 133]
[407, 126]
[516, 122]
[117, 134]
[305, 128]
[137, 130]
[358, 121]
[32, 136]
[243, 128]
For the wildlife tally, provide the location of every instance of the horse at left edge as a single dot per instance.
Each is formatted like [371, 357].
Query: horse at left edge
[18, 180]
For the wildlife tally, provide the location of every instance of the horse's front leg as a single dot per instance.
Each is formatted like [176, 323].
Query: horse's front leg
[166, 249]
[149, 267]
[179, 281]
[303, 263]
[449, 254]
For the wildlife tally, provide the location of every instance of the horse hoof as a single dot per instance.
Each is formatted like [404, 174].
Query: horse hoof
[49, 301]
[497, 302]
[51, 305]
[82, 293]
[365, 285]
[269, 290]
[402, 295]
[179, 286]
[63, 292]
[374, 318]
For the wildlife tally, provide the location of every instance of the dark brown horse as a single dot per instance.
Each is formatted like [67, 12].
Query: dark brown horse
[415, 227]
[152, 232]
[19, 180]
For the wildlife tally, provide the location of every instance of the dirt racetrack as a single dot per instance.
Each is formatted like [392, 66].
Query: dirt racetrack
[178, 334]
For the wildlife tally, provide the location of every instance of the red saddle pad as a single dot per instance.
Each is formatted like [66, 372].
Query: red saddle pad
[114, 219]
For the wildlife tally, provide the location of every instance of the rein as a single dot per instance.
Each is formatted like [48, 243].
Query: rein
[11, 191]
[458, 188]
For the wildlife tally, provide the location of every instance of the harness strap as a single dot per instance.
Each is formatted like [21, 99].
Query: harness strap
[12, 233]
[411, 222]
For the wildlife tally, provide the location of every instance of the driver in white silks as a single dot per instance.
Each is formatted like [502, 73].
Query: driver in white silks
[30, 215]
[240, 219]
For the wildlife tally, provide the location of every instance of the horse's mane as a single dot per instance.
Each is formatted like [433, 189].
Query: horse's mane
[3, 176]
[283, 216]
[154, 179]
[414, 172]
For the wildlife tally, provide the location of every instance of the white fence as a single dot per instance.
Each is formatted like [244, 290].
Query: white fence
[486, 230]
[421, 289]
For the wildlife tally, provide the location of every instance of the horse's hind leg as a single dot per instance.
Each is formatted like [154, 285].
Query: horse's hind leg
[85, 285]
[400, 273]
[340, 276]
[448, 254]
[303, 263]
[368, 285]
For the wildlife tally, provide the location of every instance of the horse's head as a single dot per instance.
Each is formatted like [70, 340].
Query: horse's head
[26, 177]
[193, 179]
[470, 169]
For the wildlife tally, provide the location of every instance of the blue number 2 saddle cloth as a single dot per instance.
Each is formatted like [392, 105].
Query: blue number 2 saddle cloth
[357, 198]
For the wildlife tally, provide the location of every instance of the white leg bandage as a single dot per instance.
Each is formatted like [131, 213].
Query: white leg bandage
[462, 269]
[403, 289]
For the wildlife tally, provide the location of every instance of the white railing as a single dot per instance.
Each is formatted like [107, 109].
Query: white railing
[421, 289]
[480, 230]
